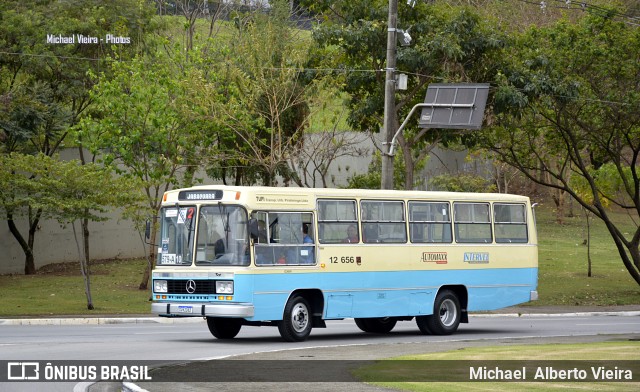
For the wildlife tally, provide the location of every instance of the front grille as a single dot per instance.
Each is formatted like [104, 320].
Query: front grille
[202, 286]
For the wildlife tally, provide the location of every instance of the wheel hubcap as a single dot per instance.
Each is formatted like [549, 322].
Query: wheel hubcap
[300, 317]
[448, 312]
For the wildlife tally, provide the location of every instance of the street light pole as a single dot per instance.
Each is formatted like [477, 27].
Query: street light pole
[389, 97]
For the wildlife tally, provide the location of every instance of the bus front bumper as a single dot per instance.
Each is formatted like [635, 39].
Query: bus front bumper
[202, 310]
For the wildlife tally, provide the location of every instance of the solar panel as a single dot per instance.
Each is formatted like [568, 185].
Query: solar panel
[454, 105]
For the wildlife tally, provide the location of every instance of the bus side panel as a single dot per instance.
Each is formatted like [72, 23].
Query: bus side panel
[412, 293]
[492, 298]
[392, 293]
[515, 288]
[272, 289]
[339, 305]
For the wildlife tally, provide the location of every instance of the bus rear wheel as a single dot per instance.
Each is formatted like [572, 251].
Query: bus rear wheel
[376, 325]
[224, 328]
[296, 322]
[446, 315]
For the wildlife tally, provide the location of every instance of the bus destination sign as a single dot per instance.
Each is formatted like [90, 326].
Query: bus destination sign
[200, 195]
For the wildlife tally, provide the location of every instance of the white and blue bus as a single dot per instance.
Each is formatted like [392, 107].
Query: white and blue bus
[295, 257]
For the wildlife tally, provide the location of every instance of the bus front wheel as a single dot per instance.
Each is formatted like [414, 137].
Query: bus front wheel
[296, 322]
[446, 315]
[224, 328]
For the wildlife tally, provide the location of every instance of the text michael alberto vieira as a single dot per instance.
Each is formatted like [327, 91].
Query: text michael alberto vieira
[548, 373]
[86, 39]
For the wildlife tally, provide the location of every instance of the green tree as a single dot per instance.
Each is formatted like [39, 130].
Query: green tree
[461, 183]
[138, 126]
[566, 107]
[85, 192]
[62, 190]
[606, 178]
[29, 118]
[44, 86]
[263, 96]
[450, 44]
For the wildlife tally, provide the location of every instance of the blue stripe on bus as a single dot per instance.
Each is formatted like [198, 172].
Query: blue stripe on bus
[376, 294]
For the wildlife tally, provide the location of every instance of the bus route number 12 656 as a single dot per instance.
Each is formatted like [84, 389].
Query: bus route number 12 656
[342, 259]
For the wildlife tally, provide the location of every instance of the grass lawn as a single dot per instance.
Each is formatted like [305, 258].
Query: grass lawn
[562, 253]
[405, 369]
[58, 289]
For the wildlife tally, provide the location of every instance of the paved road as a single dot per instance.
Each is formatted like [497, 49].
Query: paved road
[191, 341]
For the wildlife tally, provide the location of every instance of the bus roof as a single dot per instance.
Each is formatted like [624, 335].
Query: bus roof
[305, 197]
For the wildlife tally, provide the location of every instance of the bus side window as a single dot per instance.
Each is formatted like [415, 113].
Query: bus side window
[383, 221]
[472, 223]
[335, 217]
[429, 222]
[289, 243]
[510, 223]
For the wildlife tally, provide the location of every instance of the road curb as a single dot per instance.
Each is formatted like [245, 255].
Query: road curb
[179, 320]
[100, 320]
[573, 314]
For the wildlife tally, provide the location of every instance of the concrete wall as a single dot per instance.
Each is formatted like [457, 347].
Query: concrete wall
[54, 243]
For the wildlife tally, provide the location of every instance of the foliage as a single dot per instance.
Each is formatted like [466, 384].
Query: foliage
[450, 44]
[262, 97]
[44, 87]
[63, 190]
[461, 182]
[141, 126]
[27, 58]
[137, 124]
[565, 116]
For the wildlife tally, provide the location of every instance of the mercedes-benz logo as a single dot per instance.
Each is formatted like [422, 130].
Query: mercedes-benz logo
[191, 286]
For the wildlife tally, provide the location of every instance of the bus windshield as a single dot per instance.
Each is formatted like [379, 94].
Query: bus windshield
[218, 237]
[223, 237]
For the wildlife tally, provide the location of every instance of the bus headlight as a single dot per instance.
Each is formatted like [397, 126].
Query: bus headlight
[160, 286]
[224, 287]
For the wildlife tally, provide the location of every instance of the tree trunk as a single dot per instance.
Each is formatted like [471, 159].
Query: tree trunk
[84, 264]
[587, 214]
[151, 261]
[85, 239]
[558, 198]
[409, 166]
[630, 264]
[29, 260]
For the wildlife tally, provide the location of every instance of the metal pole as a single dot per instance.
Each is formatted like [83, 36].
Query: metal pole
[389, 96]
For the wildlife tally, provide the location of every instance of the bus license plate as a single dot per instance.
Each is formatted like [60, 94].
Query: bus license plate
[185, 309]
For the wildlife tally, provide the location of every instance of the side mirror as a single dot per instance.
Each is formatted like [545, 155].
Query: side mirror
[253, 228]
[147, 230]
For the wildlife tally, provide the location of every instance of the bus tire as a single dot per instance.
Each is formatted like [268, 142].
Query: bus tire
[376, 325]
[224, 328]
[421, 321]
[296, 322]
[446, 314]
[363, 324]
